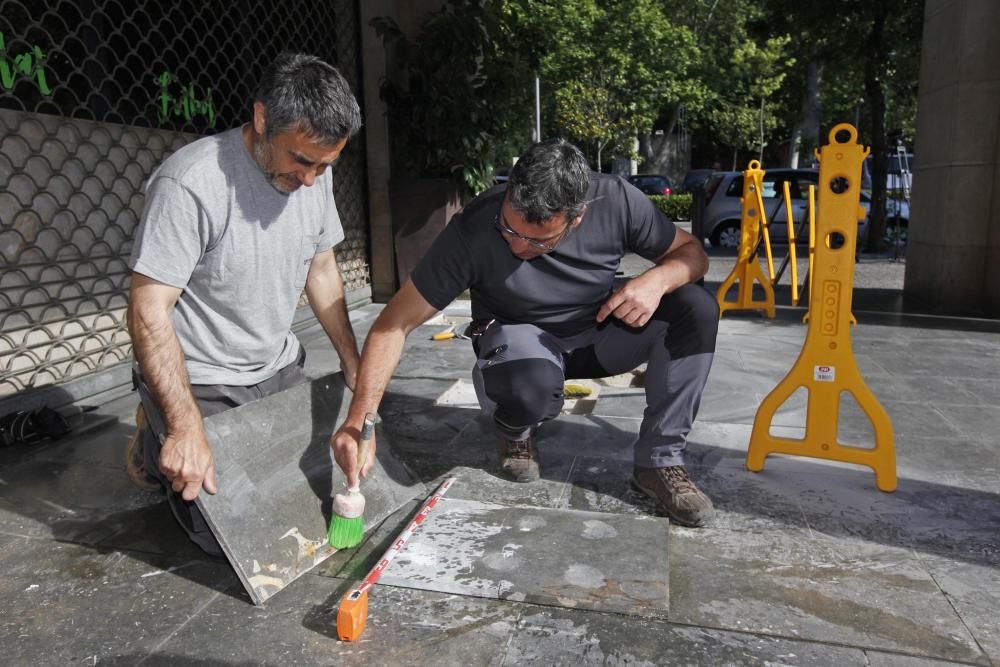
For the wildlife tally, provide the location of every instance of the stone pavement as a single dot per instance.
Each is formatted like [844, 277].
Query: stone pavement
[807, 562]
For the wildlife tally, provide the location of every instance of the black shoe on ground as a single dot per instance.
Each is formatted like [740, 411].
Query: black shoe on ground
[519, 459]
[682, 501]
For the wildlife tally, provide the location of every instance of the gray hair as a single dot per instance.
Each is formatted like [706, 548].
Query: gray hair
[302, 92]
[550, 178]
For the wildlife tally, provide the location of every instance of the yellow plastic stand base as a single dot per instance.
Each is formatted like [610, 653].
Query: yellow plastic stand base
[826, 367]
[747, 269]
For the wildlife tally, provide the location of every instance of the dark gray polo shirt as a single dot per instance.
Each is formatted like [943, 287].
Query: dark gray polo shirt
[559, 292]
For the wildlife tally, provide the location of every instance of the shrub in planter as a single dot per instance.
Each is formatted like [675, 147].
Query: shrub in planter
[675, 207]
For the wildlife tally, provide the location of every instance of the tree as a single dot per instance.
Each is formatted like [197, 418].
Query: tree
[742, 113]
[608, 67]
[457, 109]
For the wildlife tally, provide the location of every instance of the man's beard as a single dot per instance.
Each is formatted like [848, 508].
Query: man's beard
[262, 156]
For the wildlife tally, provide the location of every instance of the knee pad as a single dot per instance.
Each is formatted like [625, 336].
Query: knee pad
[526, 391]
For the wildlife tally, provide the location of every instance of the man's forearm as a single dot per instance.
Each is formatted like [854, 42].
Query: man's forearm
[161, 361]
[685, 264]
[328, 303]
[382, 351]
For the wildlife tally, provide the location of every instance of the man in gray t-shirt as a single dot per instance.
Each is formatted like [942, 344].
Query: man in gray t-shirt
[235, 227]
[539, 258]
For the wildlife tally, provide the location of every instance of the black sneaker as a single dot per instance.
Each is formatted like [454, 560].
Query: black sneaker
[519, 459]
[682, 501]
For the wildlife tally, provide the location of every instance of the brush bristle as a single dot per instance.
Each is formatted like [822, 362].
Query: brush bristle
[346, 533]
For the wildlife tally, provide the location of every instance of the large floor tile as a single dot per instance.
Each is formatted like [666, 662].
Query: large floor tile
[579, 560]
[843, 592]
[552, 636]
[65, 603]
[974, 591]
[298, 627]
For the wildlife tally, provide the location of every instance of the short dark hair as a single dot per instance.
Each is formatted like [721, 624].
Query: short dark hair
[550, 178]
[302, 92]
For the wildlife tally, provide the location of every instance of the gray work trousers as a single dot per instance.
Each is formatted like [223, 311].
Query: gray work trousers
[212, 399]
[521, 369]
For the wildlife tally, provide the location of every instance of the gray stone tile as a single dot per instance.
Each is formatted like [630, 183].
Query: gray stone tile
[298, 627]
[978, 422]
[151, 530]
[486, 485]
[567, 436]
[984, 391]
[974, 592]
[65, 603]
[842, 592]
[933, 517]
[552, 636]
[950, 461]
[880, 659]
[941, 363]
[555, 557]
[276, 478]
[69, 501]
[423, 357]
[940, 390]
[908, 419]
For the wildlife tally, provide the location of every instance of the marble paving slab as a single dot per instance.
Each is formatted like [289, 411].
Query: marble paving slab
[846, 592]
[276, 478]
[69, 604]
[565, 558]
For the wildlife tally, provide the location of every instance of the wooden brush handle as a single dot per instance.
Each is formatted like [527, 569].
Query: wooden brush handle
[365, 444]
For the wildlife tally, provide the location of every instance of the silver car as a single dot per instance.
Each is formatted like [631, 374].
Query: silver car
[723, 210]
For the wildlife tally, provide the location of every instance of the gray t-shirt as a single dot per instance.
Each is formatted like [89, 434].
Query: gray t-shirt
[240, 250]
[560, 291]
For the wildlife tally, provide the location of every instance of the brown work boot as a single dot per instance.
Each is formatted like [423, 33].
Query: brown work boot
[680, 498]
[519, 459]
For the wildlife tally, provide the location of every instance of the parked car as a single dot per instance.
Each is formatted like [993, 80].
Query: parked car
[652, 184]
[723, 211]
[898, 172]
[696, 178]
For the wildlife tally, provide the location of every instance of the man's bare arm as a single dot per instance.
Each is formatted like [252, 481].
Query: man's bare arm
[383, 347]
[325, 289]
[634, 304]
[186, 458]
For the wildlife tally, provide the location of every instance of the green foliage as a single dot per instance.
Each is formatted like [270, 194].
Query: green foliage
[460, 106]
[607, 67]
[675, 207]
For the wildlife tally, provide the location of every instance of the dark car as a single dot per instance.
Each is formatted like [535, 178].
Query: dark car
[652, 184]
[695, 179]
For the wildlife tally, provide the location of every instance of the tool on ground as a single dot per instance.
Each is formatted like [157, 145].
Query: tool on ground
[347, 523]
[575, 390]
[353, 610]
[449, 333]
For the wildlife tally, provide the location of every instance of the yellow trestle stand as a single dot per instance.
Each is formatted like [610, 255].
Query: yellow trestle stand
[747, 268]
[826, 367]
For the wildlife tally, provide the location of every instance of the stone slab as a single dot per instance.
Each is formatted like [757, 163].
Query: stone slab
[567, 558]
[276, 479]
[67, 500]
[68, 604]
[553, 636]
[404, 627]
[844, 591]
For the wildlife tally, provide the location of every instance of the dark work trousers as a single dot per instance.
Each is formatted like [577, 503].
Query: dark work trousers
[521, 369]
[212, 399]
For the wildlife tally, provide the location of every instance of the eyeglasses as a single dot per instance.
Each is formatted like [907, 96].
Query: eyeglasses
[547, 245]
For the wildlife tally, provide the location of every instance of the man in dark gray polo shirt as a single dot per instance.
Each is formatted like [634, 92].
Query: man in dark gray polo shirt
[235, 227]
[539, 256]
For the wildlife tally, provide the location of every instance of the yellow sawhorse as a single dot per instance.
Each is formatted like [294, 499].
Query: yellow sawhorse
[826, 367]
[747, 269]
